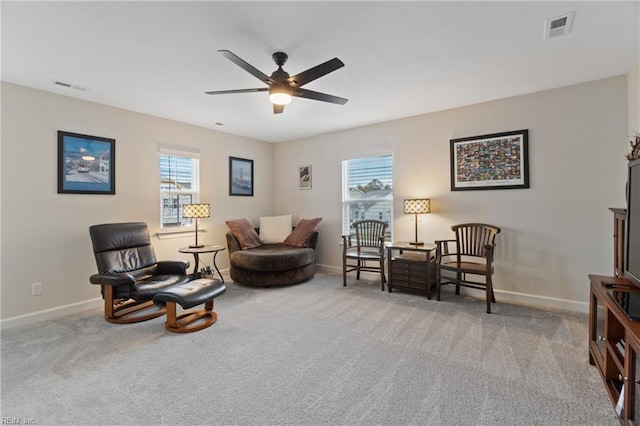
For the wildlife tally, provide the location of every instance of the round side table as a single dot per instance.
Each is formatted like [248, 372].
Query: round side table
[197, 251]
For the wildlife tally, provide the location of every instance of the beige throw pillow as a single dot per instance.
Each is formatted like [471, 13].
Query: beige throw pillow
[302, 232]
[274, 229]
[244, 232]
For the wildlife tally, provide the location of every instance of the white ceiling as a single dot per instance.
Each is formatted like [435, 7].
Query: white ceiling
[401, 58]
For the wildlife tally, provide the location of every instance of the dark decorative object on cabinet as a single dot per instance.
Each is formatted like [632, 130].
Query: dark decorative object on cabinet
[635, 148]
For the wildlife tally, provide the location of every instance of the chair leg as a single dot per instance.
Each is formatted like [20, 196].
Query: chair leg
[489, 295]
[358, 269]
[383, 279]
[437, 284]
[130, 311]
[344, 272]
[458, 279]
[200, 319]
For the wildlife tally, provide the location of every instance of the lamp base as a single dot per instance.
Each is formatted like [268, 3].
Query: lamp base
[416, 243]
[196, 245]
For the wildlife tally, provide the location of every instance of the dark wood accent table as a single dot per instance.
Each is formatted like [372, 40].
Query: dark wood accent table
[197, 251]
[412, 268]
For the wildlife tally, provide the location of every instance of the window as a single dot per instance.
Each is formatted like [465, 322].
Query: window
[179, 185]
[367, 191]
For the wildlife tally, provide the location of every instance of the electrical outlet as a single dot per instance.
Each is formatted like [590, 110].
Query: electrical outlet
[36, 289]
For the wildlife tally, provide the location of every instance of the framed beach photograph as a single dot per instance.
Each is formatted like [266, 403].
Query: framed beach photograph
[86, 164]
[304, 176]
[240, 176]
[495, 161]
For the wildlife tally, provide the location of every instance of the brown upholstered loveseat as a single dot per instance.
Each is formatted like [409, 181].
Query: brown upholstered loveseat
[272, 264]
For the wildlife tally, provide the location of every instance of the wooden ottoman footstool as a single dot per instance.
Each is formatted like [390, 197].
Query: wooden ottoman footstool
[188, 295]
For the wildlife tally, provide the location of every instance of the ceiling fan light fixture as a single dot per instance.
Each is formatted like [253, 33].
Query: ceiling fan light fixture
[279, 96]
[281, 86]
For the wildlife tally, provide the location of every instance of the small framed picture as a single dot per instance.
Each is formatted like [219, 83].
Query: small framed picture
[86, 164]
[304, 176]
[240, 177]
[495, 161]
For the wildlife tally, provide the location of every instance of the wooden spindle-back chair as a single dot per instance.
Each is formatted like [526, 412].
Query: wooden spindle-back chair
[473, 255]
[368, 248]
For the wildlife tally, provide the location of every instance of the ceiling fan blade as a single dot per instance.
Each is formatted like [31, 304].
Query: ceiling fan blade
[316, 72]
[225, 92]
[278, 109]
[246, 66]
[310, 94]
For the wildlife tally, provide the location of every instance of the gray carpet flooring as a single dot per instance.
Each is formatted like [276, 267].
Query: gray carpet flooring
[315, 353]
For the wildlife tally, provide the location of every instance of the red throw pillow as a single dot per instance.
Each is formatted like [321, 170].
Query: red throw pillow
[244, 232]
[302, 232]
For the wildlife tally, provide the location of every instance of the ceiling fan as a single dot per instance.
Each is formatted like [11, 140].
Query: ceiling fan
[282, 86]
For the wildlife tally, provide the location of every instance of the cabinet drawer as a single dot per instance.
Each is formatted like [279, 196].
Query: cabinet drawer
[412, 269]
[409, 273]
[409, 256]
[410, 282]
[405, 267]
[412, 275]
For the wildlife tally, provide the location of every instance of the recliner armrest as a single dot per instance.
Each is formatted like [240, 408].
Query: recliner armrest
[112, 279]
[178, 267]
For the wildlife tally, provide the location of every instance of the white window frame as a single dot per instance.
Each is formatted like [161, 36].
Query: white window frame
[184, 195]
[362, 200]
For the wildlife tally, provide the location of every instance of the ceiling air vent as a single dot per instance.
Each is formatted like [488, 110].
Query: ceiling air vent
[558, 26]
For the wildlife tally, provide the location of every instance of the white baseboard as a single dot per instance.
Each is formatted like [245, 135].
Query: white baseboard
[49, 314]
[501, 295]
[542, 301]
[329, 269]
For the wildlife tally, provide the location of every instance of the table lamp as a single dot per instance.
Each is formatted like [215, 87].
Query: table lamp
[195, 211]
[417, 206]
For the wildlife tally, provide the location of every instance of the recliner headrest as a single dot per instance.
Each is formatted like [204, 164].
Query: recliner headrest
[117, 236]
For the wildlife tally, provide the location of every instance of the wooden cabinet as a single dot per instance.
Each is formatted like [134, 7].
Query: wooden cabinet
[614, 344]
[411, 268]
[619, 220]
[614, 338]
[632, 366]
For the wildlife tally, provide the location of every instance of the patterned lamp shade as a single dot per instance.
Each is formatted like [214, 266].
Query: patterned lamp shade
[417, 206]
[195, 211]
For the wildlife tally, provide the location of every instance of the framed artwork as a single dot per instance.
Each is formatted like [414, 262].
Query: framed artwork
[86, 164]
[240, 176]
[304, 176]
[495, 161]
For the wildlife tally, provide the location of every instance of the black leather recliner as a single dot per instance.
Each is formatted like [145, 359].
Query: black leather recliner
[129, 273]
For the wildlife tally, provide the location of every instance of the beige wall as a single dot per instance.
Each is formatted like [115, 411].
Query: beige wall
[553, 234]
[45, 234]
[633, 84]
